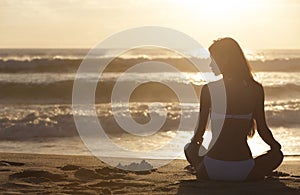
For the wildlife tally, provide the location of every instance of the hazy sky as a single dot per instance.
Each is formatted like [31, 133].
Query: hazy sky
[256, 24]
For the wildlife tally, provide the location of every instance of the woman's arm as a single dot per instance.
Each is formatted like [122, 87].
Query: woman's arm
[262, 127]
[204, 112]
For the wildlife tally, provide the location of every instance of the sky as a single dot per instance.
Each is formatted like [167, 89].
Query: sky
[255, 24]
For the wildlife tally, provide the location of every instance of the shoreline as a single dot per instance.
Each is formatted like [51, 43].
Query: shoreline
[69, 174]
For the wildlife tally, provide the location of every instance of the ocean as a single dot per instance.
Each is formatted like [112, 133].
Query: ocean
[36, 101]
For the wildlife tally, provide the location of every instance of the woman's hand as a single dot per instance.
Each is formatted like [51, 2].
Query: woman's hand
[197, 140]
[275, 146]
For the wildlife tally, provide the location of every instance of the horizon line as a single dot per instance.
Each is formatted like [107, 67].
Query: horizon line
[10, 48]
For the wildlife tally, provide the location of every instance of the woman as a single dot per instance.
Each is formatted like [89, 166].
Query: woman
[230, 158]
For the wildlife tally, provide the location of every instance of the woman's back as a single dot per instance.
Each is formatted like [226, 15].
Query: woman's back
[241, 100]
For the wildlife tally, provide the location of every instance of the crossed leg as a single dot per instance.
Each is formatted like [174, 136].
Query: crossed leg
[265, 164]
[191, 153]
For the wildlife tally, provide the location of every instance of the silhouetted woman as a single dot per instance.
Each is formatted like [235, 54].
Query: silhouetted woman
[230, 158]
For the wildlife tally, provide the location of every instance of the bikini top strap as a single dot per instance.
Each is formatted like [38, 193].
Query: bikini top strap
[219, 116]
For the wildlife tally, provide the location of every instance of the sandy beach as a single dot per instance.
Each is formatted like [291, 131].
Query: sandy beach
[59, 174]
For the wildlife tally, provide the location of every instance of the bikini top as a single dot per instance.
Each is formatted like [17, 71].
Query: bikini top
[215, 116]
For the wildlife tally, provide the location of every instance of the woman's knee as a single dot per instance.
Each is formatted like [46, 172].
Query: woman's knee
[278, 154]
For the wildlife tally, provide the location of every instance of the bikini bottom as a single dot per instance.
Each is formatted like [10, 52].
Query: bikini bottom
[228, 170]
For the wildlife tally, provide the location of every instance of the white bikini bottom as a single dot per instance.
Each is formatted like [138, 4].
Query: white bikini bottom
[228, 170]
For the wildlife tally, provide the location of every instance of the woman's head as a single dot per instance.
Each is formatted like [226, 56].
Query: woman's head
[230, 59]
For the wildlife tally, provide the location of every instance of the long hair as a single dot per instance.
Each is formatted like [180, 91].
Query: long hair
[232, 63]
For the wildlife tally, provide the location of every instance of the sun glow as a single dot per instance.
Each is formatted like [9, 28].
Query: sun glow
[216, 9]
[257, 24]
